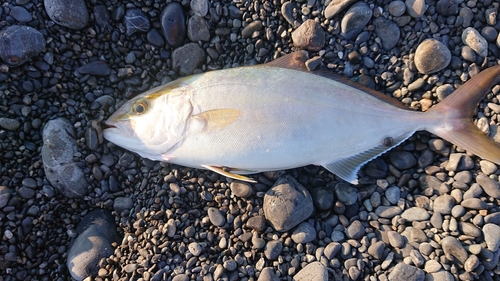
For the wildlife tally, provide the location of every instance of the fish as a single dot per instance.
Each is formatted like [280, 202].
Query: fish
[280, 115]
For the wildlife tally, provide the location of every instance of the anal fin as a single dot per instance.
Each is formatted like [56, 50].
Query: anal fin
[228, 174]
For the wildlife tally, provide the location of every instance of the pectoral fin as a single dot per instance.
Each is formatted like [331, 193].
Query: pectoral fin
[216, 119]
[227, 174]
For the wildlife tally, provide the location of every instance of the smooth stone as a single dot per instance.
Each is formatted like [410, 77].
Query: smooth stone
[96, 233]
[493, 218]
[440, 276]
[426, 159]
[216, 217]
[377, 250]
[472, 38]
[304, 233]
[252, 27]
[432, 56]
[388, 212]
[58, 149]
[415, 8]
[26, 193]
[402, 160]
[258, 223]
[355, 19]
[442, 92]
[397, 8]
[355, 230]
[9, 124]
[323, 198]
[268, 274]
[474, 203]
[469, 229]
[71, 14]
[346, 193]
[405, 272]
[336, 6]
[135, 21]
[273, 249]
[4, 196]
[20, 14]
[180, 277]
[443, 204]
[471, 263]
[121, 204]
[415, 214]
[287, 12]
[447, 7]
[155, 38]
[98, 68]
[287, 204]
[432, 266]
[376, 168]
[388, 32]
[173, 23]
[199, 7]
[457, 211]
[489, 33]
[309, 36]
[490, 186]
[314, 271]
[452, 247]
[491, 234]
[395, 239]
[241, 189]
[393, 194]
[197, 29]
[332, 249]
[18, 44]
[187, 58]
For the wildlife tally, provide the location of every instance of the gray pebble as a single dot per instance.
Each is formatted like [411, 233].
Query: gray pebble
[241, 189]
[417, 258]
[474, 191]
[491, 234]
[257, 222]
[457, 211]
[335, 7]
[173, 24]
[415, 8]
[331, 250]
[432, 56]
[346, 193]
[397, 8]
[9, 124]
[26, 193]
[405, 272]
[469, 229]
[377, 250]
[376, 168]
[388, 211]
[313, 271]
[267, 274]
[230, 265]
[447, 7]
[393, 194]
[251, 28]
[304, 233]
[355, 19]
[187, 58]
[20, 14]
[452, 247]
[441, 276]
[442, 92]
[432, 266]
[180, 277]
[493, 218]
[472, 38]
[197, 29]
[216, 217]
[135, 20]
[199, 7]
[489, 33]
[287, 12]
[471, 263]
[415, 214]
[18, 44]
[309, 36]
[98, 68]
[337, 236]
[395, 239]
[474, 203]
[355, 230]
[273, 249]
[71, 14]
[388, 32]
[123, 204]
[443, 204]
[490, 187]
[4, 195]
[323, 198]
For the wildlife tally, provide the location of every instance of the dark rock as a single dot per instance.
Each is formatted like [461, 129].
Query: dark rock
[71, 14]
[453, 247]
[135, 20]
[310, 36]
[377, 168]
[388, 32]
[402, 160]
[18, 44]
[490, 187]
[322, 198]
[20, 14]
[258, 223]
[154, 37]
[98, 68]
[173, 23]
[4, 195]
[251, 28]
[447, 7]
[9, 124]
[187, 58]
[355, 19]
[197, 29]
[216, 217]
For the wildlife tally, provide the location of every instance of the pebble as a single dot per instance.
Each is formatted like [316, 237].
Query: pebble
[267, 274]
[469, 229]
[258, 223]
[335, 7]
[252, 27]
[273, 249]
[71, 14]
[135, 21]
[443, 204]
[121, 204]
[216, 217]
[440, 276]
[241, 189]
[287, 12]
[402, 159]
[474, 203]
[173, 24]
[395, 239]
[388, 32]
[377, 250]
[377, 169]
[323, 198]
[447, 7]
[355, 19]
[20, 14]
[346, 193]
[491, 234]
[4, 195]
[96, 233]
[432, 266]
[452, 247]
[187, 58]
[472, 38]
[397, 8]
[432, 56]
[197, 29]
[355, 230]
[18, 44]
[57, 154]
[304, 233]
[9, 124]
[388, 211]
[490, 187]
[98, 68]
[331, 250]
[199, 7]
[405, 272]
[309, 36]
[312, 271]
[415, 214]
[287, 204]
[415, 8]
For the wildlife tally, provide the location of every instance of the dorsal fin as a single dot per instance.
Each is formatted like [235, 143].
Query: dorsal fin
[295, 61]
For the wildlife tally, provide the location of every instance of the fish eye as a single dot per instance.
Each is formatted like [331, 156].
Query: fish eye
[140, 107]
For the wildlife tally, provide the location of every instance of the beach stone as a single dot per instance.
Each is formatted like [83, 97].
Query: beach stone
[452, 247]
[197, 29]
[388, 212]
[393, 194]
[58, 149]
[457, 211]
[257, 222]
[493, 218]
[471, 263]
[415, 8]
[323, 197]
[135, 20]
[199, 7]
[96, 233]
[304, 233]
[397, 8]
[314, 271]
[491, 234]
[267, 274]
[440, 276]
[447, 7]
[395, 239]
[18, 44]
[173, 24]
[377, 168]
[388, 32]
[472, 38]
[432, 56]
[309, 36]
[489, 33]
[273, 249]
[469, 229]
[474, 203]
[402, 159]
[415, 214]
[216, 217]
[20, 14]
[432, 266]
[490, 187]
[346, 193]
[355, 19]
[4, 195]
[187, 58]
[355, 230]
[377, 250]
[241, 189]
[71, 14]
[98, 68]
[252, 27]
[287, 204]
[9, 124]
[287, 12]
[405, 272]
[443, 204]
[332, 249]
[121, 204]
[337, 6]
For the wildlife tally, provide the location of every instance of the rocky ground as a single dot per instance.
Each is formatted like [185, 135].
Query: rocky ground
[72, 204]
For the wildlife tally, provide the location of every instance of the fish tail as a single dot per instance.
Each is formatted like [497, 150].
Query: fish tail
[455, 114]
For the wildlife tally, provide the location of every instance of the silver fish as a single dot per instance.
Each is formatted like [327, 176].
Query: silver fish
[279, 116]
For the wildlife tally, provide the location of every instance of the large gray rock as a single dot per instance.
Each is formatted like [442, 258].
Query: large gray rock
[287, 204]
[58, 149]
[18, 44]
[96, 233]
[69, 13]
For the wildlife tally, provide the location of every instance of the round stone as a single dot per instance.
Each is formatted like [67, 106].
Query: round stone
[432, 56]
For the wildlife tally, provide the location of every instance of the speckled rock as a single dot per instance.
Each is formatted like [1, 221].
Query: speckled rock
[273, 249]
[199, 7]
[241, 189]
[355, 19]
[287, 204]
[18, 44]
[346, 193]
[310, 36]
[443, 204]
[472, 38]
[187, 58]
[58, 149]
[432, 56]
[20, 14]
[267, 274]
[96, 233]
[197, 29]
[397, 8]
[314, 271]
[439, 276]
[447, 7]
[71, 14]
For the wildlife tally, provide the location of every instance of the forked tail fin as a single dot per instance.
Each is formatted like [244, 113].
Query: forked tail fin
[456, 111]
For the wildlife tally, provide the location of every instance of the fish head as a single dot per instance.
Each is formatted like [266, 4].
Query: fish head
[151, 123]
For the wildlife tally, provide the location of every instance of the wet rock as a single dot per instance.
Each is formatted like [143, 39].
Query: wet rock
[472, 38]
[310, 36]
[197, 29]
[287, 204]
[135, 20]
[388, 32]
[18, 44]
[405, 272]
[20, 14]
[337, 6]
[58, 149]
[96, 233]
[98, 68]
[313, 271]
[355, 19]
[415, 8]
[491, 187]
[187, 58]
[71, 14]
[491, 234]
[173, 23]
[432, 56]
[452, 247]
